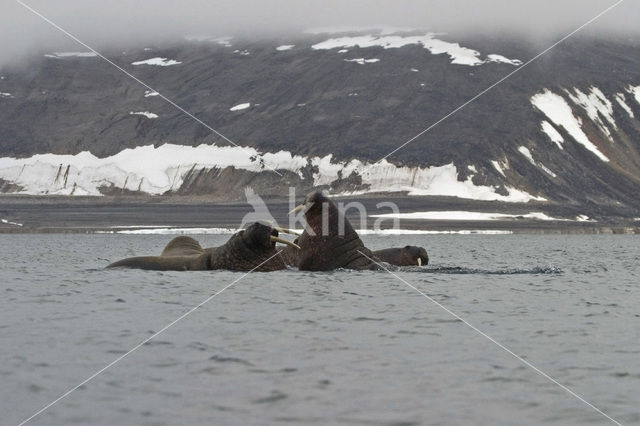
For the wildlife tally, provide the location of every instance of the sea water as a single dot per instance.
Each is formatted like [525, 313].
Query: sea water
[342, 347]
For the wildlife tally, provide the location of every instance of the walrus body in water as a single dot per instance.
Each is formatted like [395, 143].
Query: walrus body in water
[336, 246]
[403, 256]
[253, 247]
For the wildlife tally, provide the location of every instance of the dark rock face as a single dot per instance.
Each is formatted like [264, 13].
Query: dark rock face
[314, 103]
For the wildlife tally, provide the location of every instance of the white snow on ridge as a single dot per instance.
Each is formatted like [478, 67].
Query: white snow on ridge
[499, 167]
[144, 113]
[158, 170]
[503, 60]
[285, 47]
[622, 102]
[559, 112]
[161, 62]
[635, 91]
[148, 93]
[5, 95]
[596, 105]
[59, 55]
[525, 151]
[240, 107]
[362, 61]
[464, 215]
[552, 133]
[435, 180]
[458, 54]
[8, 222]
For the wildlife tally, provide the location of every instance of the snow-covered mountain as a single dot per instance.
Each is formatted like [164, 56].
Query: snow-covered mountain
[325, 108]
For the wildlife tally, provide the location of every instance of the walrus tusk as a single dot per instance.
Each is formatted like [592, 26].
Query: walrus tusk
[419, 261]
[297, 209]
[283, 241]
[286, 230]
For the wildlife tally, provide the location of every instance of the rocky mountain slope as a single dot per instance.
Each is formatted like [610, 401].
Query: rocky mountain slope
[322, 109]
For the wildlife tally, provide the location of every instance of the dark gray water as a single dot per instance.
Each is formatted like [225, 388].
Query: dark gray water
[323, 348]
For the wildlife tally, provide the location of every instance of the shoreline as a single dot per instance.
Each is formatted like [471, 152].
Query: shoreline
[60, 214]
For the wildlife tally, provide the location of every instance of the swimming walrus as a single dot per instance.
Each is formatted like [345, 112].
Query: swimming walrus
[403, 256]
[337, 246]
[253, 248]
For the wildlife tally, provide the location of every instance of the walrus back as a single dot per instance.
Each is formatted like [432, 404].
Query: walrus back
[163, 263]
[182, 246]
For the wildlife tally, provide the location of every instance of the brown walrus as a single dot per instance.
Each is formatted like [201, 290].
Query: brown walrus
[403, 256]
[336, 246]
[253, 248]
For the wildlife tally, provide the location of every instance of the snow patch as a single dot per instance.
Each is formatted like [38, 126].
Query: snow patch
[635, 91]
[465, 215]
[499, 167]
[414, 70]
[144, 113]
[596, 105]
[156, 170]
[60, 55]
[242, 52]
[5, 95]
[8, 222]
[362, 61]
[525, 151]
[343, 50]
[552, 133]
[285, 47]
[503, 60]
[151, 230]
[622, 102]
[240, 107]
[559, 112]
[458, 54]
[426, 232]
[472, 168]
[148, 93]
[584, 218]
[172, 231]
[161, 62]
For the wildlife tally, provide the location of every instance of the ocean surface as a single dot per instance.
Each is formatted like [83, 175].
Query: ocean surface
[342, 347]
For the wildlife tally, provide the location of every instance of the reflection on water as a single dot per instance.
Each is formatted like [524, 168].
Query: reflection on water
[338, 347]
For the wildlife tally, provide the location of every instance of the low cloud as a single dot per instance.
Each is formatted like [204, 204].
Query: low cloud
[125, 23]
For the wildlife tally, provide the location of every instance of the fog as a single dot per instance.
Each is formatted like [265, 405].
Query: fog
[102, 24]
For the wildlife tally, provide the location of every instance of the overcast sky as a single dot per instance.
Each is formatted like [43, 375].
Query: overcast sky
[100, 23]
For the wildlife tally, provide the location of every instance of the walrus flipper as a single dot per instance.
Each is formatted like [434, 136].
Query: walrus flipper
[182, 246]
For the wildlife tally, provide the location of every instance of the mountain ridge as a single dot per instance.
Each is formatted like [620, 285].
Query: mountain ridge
[341, 114]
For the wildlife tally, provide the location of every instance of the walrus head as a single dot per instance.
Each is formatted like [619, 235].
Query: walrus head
[252, 247]
[415, 255]
[329, 241]
[403, 256]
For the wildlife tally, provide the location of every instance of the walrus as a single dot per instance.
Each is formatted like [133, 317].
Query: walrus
[253, 248]
[339, 246]
[403, 256]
